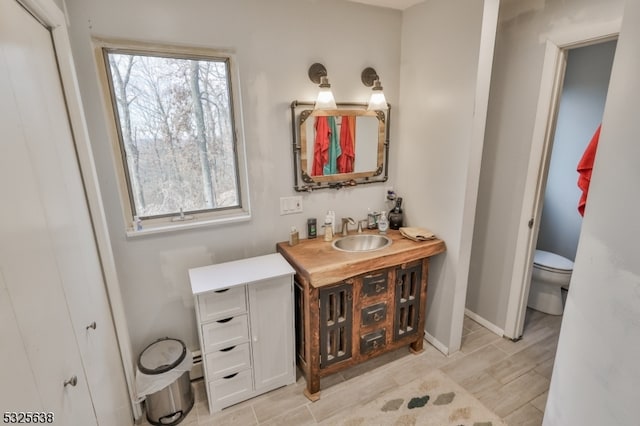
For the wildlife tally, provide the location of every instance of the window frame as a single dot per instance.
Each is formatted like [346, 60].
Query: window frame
[167, 223]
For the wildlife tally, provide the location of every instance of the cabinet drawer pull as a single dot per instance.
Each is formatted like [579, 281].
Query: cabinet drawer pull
[374, 275]
[230, 376]
[374, 313]
[222, 321]
[230, 348]
[221, 291]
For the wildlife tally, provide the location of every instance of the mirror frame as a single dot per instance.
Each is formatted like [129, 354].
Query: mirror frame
[303, 181]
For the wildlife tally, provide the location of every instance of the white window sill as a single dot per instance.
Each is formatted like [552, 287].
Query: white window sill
[167, 227]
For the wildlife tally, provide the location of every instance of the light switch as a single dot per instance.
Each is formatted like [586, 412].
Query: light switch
[290, 205]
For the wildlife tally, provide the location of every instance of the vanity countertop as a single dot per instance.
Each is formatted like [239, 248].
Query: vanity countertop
[323, 265]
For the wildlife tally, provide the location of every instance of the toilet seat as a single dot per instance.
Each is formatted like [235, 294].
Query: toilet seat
[552, 262]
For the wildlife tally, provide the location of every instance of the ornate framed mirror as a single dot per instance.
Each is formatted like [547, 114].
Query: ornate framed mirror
[334, 148]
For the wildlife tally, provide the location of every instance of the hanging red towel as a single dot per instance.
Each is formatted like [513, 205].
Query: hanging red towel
[321, 146]
[585, 166]
[347, 138]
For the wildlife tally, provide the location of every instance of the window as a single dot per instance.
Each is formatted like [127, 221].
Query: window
[177, 133]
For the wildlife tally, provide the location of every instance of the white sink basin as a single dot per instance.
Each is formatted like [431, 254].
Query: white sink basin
[362, 242]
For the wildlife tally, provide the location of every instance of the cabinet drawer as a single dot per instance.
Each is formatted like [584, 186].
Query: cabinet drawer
[372, 341]
[373, 314]
[374, 284]
[227, 361]
[230, 389]
[222, 303]
[225, 333]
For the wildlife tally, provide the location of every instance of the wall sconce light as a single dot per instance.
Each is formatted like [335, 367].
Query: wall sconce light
[318, 74]
[370, 78]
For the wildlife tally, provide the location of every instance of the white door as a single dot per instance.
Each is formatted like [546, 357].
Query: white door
[49, 265]
[271, 310]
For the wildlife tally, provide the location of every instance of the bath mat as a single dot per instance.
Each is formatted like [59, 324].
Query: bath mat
[433, 400]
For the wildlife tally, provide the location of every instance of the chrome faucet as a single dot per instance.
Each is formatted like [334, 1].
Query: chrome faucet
[346, 221]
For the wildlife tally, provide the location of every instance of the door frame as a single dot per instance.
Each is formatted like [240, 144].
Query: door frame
[48, 13]
[557, 46]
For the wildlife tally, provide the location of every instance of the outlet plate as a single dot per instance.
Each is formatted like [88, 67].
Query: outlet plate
[290, 205]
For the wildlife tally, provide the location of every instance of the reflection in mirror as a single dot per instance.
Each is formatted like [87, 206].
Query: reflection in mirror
[353, 149]
[335, 148]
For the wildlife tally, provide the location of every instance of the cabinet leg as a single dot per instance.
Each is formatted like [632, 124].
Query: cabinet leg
[417, 346]
[312, 391]
[313, 397]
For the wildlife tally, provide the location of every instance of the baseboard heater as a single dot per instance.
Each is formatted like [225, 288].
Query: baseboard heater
[196, 371]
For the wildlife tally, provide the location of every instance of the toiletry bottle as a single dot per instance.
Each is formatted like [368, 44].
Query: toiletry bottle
[294, 237]
[383, 223]
[328, 231]
[395, 215]
[311, 228]
[371, 219]
[331, 220]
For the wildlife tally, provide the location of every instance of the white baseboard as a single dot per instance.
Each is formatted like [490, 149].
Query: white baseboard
[483, 322]
[436, 343]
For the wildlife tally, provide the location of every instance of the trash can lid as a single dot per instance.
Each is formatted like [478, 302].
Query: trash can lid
[161, 356]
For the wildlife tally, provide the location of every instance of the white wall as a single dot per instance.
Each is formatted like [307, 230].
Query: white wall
[523, 29]
[275, 42]
[580, 113]
[443, 101]
[596, 373]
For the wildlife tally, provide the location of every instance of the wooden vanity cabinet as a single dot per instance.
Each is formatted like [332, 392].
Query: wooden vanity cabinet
[358, 319]
[351, 307]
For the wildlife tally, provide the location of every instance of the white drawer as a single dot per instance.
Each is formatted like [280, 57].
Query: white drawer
[222, 303]
[225, 333]
[231, 389]
[228, 361]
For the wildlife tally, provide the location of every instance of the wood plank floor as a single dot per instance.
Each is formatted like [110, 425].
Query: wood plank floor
[510, 378]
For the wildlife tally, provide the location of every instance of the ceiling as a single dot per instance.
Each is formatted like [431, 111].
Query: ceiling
[393, 4]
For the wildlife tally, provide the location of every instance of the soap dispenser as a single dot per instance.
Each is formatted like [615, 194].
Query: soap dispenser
[383, 223]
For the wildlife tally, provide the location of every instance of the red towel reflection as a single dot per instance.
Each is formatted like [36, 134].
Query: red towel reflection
[585, 166]
[347, 138]
[321, 146]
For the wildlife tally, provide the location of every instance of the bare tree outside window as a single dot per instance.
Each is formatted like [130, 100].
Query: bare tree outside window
[177, 132]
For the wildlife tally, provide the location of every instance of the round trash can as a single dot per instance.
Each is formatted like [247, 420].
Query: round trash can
[163, 376]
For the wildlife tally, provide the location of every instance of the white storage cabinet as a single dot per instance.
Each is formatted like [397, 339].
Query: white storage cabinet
[245, 319]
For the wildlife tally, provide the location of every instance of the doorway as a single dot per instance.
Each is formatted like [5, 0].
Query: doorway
[562, 125]
[581, 106]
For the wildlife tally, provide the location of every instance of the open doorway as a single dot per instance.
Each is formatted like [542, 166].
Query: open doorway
[580, 109]
[572, 97]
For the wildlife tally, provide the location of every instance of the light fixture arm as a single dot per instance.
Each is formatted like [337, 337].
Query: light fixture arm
[316, 72]
[369, 76]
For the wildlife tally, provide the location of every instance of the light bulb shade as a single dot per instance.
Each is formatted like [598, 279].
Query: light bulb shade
[377, 100]
[325, 98]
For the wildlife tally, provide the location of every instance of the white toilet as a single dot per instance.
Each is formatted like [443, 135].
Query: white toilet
[550, 273]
